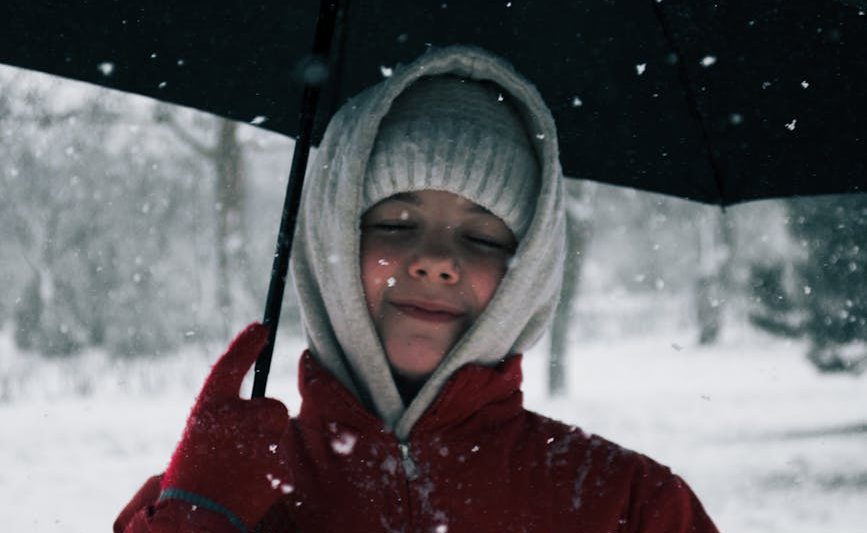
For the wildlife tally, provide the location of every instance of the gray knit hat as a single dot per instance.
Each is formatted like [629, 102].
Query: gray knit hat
[451, 134]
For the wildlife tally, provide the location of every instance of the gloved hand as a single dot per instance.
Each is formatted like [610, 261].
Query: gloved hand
[232, 457]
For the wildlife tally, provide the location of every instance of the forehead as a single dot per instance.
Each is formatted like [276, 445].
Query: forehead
[431, 198]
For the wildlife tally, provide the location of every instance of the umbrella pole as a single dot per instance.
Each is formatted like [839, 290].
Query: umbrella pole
[325, 28]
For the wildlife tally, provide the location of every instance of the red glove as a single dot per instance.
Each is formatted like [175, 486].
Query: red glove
[232, 458]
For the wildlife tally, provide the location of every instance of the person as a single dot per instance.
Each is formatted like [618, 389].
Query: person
[429, 256]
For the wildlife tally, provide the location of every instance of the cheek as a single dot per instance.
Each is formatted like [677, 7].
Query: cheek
[377, 267]
[484, 279]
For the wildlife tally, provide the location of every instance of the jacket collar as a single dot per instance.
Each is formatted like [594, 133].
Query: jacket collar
[474, 395]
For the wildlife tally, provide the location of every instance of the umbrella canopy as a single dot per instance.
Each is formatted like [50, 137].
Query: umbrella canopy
[717, 102]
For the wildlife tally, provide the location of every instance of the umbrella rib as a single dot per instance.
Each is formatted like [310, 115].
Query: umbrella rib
[692, 101]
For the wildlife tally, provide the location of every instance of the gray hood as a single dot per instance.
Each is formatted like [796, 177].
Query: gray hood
[325, 257]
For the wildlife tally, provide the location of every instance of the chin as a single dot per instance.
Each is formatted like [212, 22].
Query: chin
[415, 360]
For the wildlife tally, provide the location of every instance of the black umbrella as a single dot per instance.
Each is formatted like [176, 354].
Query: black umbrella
[718, 102]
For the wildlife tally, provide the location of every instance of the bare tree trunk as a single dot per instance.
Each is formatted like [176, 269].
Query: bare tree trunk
[230, 215]
[577, 233]
[713, 279]
[226, 155]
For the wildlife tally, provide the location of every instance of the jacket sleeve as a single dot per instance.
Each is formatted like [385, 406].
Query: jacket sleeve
[674, 508]
[144, 514]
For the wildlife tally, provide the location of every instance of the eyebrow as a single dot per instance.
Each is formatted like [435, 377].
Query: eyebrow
[412, 198]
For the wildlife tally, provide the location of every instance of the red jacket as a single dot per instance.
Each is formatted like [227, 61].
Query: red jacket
[476, 461]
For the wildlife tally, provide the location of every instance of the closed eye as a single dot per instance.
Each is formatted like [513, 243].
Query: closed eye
[486, 242]
[388, 226]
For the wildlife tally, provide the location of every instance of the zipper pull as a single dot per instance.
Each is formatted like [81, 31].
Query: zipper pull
[409, 467]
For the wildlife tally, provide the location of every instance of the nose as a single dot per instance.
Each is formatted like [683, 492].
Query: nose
[434, 263]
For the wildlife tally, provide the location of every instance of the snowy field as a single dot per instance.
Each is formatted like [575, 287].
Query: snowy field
[767, 443]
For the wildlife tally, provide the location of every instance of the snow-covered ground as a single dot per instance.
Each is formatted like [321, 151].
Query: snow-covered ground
[760, 436]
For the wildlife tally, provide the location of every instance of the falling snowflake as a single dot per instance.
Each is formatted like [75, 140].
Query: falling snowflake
[576, 102]
[707, 61]
[383, 262]
[640, 68]
[791, 125]
[805, 84]
[390, 281]
[162, 85]
[386, 71]
[259, 119]
[106, 68]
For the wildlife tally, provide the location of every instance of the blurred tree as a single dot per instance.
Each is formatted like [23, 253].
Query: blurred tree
[84, 193]
[712, 278]
[225, 153]
[823, 295]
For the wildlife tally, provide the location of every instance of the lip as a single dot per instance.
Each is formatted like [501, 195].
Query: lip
[427, 311]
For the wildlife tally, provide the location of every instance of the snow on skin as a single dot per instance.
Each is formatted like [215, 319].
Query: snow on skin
[390, 281]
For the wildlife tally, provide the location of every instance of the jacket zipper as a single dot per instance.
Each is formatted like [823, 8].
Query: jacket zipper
[410, 472]
[409, 467]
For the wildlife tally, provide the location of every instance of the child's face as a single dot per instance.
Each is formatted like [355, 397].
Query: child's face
[430, 263]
